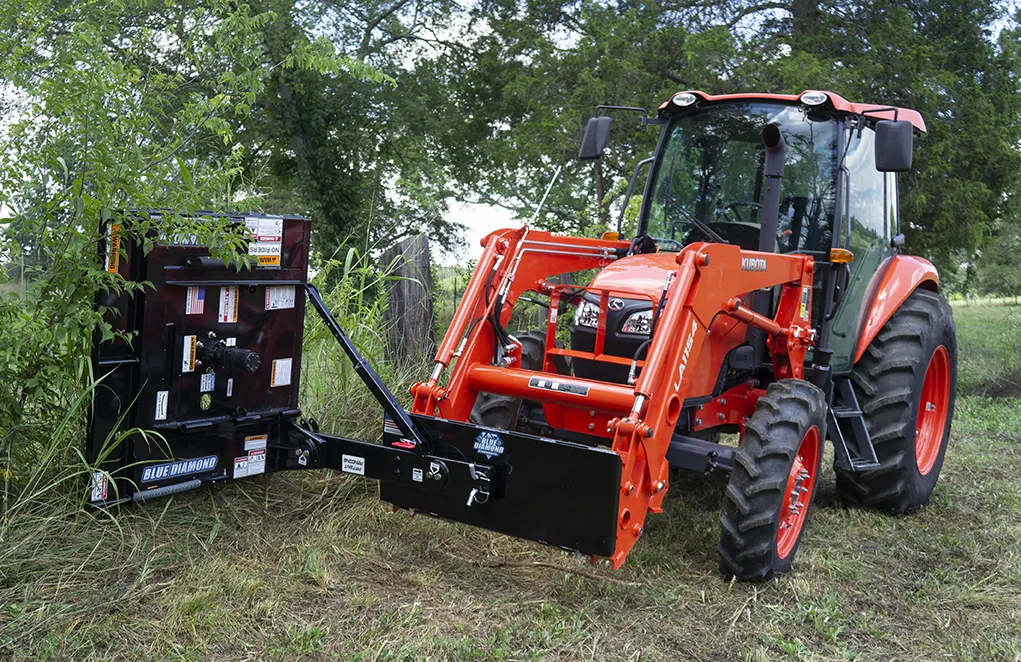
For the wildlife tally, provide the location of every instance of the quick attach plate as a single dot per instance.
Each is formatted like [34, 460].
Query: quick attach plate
[555, 492]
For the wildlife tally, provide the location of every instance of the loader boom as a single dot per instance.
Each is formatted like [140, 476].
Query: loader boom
[710, 281]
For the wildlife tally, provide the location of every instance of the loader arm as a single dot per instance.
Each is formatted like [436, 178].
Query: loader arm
[710, 280]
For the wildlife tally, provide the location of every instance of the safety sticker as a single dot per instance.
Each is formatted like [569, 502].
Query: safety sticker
[228, 305]
[100, 486]
[161, 405]
[208, 382]
[416, 475]
[256, 462]
[113, 247]
[231, 342]
[195, 303]
[552, 315]
[281, 373]
[267, 236]
[240, 467]
[806, 292]
[188, 357]
[279, 297]
[353, 464]
[230, 387]
[256, 442]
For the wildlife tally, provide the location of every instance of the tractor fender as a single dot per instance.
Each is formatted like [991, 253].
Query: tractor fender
[892, 284]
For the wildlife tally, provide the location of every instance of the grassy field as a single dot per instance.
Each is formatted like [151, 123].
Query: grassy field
[315, 568]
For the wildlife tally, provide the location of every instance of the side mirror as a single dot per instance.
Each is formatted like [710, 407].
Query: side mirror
[894, 140]
[597, 132]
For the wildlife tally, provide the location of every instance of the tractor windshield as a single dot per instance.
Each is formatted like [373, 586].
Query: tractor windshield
[708, 179]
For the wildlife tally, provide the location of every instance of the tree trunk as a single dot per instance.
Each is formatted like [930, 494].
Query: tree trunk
[411, 334]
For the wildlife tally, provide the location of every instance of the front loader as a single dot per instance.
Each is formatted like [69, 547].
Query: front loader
[761, 307]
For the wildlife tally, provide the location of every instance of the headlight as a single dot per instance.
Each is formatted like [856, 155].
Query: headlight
[587, 315]
[639, 324]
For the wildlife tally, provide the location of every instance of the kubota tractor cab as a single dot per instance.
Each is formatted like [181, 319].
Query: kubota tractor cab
[762, 294]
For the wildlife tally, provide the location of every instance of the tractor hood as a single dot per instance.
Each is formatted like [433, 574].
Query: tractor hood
[642, 274]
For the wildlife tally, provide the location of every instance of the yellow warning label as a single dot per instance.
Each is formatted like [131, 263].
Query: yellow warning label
[188, 357]
[269, 260]
[113, 248]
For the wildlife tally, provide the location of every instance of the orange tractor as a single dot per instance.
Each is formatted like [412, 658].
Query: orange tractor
[763, 294]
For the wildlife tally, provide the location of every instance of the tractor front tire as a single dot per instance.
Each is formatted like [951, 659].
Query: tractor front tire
[906, 384]
[776, 472]
[501, 411]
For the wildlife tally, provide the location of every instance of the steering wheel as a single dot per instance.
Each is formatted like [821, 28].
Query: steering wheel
[679, 246]
[732, 208]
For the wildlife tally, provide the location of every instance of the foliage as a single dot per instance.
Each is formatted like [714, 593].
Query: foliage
[111, 108]
[540, 69]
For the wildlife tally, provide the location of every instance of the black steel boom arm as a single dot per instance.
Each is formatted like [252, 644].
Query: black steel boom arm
[375, 385]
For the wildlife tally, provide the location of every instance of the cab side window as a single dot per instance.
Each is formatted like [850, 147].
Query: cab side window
[866, 232]
[867, 200]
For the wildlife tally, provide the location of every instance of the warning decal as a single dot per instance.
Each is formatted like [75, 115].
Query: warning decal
[161, 405]
[113, 247]
[254, 463]
[256, 443]
[208, 382]
[188, 356]
[100, 483]
[195, 302]
[281, 373]
[267, 236]
[279, 297]
[228, 305]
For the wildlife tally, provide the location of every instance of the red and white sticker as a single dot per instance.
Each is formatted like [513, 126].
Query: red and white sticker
[267, 237]
[252, 464]
[256, 462]
[279, 297]
[195, 302]
[188, 356]
[281, 375]
[228, 305]
[100, 486]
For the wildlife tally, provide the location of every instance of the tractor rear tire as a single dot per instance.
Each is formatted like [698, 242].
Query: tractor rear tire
[776, 472]
[906, 384]
[501, 411]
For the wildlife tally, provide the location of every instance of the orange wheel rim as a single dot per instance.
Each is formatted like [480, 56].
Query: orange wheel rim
[932, 410]
[798, 493]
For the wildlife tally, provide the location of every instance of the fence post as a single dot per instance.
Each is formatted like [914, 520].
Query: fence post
[411, 334]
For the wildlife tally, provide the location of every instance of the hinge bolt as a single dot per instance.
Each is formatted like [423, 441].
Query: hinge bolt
[659, 487]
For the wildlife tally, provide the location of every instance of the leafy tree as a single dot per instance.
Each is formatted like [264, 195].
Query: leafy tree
[111, 108]
[536, 70]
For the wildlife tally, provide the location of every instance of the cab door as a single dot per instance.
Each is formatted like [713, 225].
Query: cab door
[866, 232]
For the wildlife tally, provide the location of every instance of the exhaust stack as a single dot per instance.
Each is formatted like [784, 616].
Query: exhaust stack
[772, 139]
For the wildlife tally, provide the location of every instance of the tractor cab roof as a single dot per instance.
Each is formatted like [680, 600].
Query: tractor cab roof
[832, 101]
